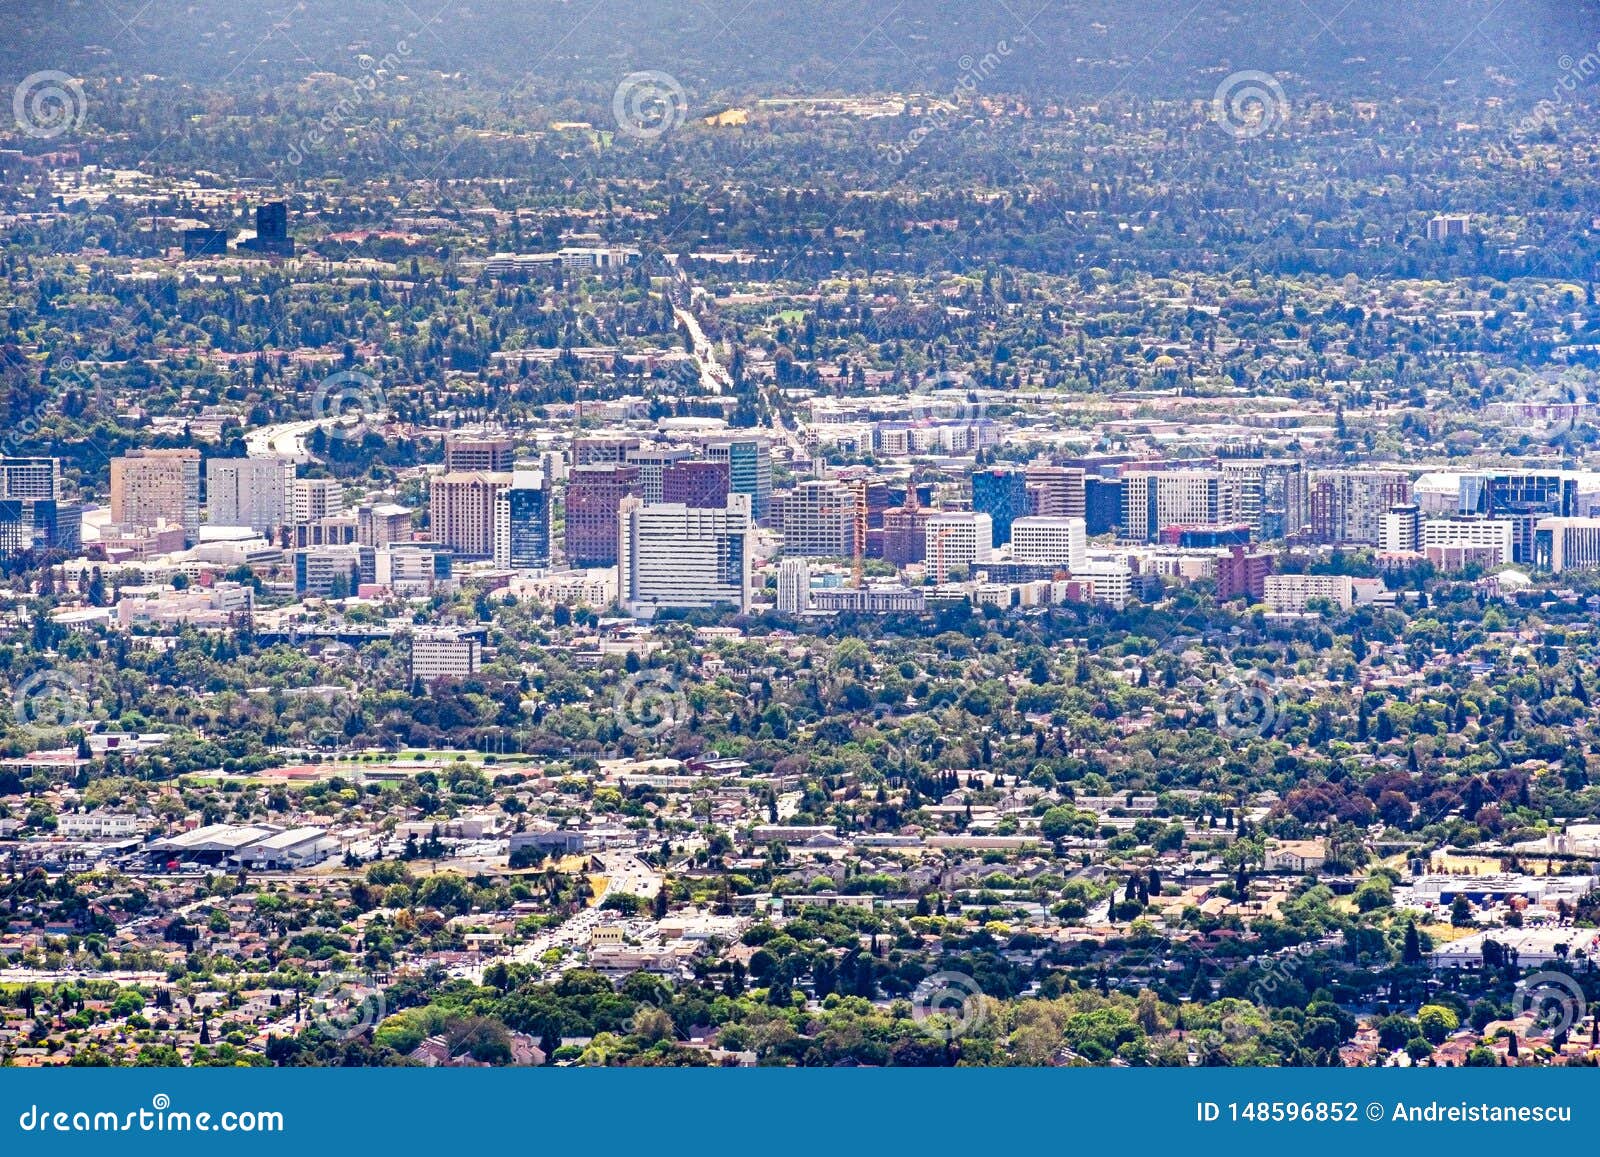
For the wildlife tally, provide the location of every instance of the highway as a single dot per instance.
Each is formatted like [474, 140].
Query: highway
[625, 874]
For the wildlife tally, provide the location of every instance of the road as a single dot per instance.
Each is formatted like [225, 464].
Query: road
[625, 874]
[713, 375]
[287, 440]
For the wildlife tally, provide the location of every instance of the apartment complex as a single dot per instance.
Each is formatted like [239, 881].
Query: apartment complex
[251, 492]
[152, 487]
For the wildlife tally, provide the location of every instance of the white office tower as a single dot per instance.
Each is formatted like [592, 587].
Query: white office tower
[1489, 534]
[1040, 540]
[251, 492]
[794, 586]
[311, 499]
[671, 556]
[1400, 529]
[1153, 499]
[956, 538]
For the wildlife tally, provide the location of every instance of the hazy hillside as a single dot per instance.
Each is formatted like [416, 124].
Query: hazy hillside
[1076, 47]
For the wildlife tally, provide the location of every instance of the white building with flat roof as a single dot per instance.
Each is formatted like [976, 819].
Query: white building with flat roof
[444, 655]
[1296, 592]
[673, 555]
[251, 492]
[1044, 540]
[956, 538]
[1472, 533]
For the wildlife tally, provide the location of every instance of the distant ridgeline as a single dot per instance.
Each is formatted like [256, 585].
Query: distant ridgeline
[1076, 48]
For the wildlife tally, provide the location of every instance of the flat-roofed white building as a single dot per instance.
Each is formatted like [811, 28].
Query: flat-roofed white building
[251, 492]
[1566, 544]
[443, 655]
[99, 825]
[956, 538]
[1473, 533]
[673, 555]
[1044, 540]
[1295, 592]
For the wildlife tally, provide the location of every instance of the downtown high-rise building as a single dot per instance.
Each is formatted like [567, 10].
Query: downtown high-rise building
[1002, 494]
[1521, 497]
[1042, 540]
[1269, 495]
[601, 450]
[594, 494]
[1055, 491]
[32, 515]
[824, 518]
[749, 472]
[253, 492]
[1347, 506]
[481, 453]
[674, 556]
[313, 499]
[522, 522]
[956, 538]
[653, 462]
[461, 511]
[154, 487]
[1154, 499]
[696, 484]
